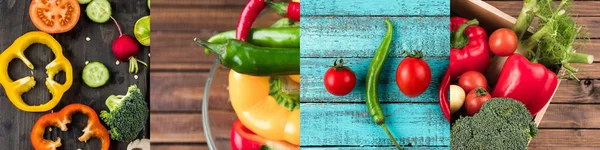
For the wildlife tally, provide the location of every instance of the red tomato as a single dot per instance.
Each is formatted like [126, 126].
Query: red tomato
[413, 76]
[503, 42]
[339, 80]
[475, 99]
[471, 80]
[54, 16]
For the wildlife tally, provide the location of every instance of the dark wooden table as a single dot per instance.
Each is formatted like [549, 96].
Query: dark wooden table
[15, 125]
[180, 68]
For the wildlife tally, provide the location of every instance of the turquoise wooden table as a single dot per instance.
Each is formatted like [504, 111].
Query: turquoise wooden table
[353, 30]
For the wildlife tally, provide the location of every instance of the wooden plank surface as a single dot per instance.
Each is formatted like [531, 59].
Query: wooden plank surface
[392, 7]
[16, 124]
[567, 124]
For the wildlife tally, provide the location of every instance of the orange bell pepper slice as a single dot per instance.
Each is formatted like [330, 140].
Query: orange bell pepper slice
[60, 119]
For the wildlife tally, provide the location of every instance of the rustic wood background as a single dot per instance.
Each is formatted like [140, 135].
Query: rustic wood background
[15, 125]
[179, 70]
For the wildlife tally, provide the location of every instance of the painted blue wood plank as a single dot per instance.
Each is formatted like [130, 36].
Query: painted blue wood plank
[376, 7]
[313, 90]
[341, 124]
[361, 36]
[374, 148]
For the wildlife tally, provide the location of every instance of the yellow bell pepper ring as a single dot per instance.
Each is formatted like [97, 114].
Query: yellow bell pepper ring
[14, 89]
[268, 106]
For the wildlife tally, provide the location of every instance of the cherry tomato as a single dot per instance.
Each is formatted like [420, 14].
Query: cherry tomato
[413, 76]
[54, 16]
[475, 99]
[339, 80]
[503, 42]
[471, 80]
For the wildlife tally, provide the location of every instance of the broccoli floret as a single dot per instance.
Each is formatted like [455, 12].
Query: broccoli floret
[127, 116]
[502, 123]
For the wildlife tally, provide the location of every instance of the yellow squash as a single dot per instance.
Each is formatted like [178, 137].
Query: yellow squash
[256, 106]
[14, 89]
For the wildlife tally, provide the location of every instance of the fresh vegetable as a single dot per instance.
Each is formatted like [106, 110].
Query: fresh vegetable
[373, 78]
[471, 80]
[139, 144]
[244, 139]
[126, 48]
[290, 10]
[413, 75]
[99, 11]
[295, 78]
[553, 43]
[443, 94]
[249, 14]
[284, 23]
[339, 80]
[14, 89]
[141, 30]
[248, 59]
[250, 95]
[532, 84]
[503, 42]
[288, 37]
[127, 114]
[95, 74]
[60, 119]
[502, 123]
[469, 47]
[84, 1]
[475, 99]
[457, 98]
[54, 18]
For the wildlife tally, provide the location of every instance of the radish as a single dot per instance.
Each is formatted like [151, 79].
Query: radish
[126, 48]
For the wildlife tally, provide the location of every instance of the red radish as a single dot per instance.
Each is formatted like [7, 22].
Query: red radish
[126, 48]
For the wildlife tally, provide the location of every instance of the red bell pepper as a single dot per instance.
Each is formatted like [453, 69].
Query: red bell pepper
[469, 48]
[531, 83]
[244, 139]
[443, 94]
[289, 10]
[249, 14]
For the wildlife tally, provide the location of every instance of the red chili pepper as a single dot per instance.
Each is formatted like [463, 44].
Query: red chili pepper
[243, 138]
[290, 10]
[443, 94]
[249, 14]
[531, 83]
[469, 48]
[60, 119]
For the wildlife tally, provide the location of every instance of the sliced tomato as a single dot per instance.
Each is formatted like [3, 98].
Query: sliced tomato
[54, 16]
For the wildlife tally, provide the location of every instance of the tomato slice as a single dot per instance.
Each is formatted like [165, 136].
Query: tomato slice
[54, 16]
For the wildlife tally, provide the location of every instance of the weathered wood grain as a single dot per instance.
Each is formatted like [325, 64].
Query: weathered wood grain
[376, 8]
[313, 89]
[337, 124]
[571, 116]
[204, 19]
[373, 148]
[551, 138]
[16, 125]
[361, 36]
[580, 8]
[179, 146]
[578, 92]
[171, 127]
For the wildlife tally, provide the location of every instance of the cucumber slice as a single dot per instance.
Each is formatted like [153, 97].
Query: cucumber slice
[95, 74]
[99, 11]
[84, 1]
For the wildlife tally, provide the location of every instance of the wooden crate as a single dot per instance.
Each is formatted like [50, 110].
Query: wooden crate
[490, 19]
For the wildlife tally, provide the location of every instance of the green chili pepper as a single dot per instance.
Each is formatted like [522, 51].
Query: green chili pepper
[373, 78]
[266, 37]
[285, 22]
[248, 59]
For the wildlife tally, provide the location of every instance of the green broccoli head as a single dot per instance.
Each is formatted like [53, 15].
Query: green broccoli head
[127, 116]
[501, 123]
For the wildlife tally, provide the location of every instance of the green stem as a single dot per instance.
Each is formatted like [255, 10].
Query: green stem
[279, 7]
[580, 58]
[387, 131]
[525, 18]
[214, 47]
[459, 39]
